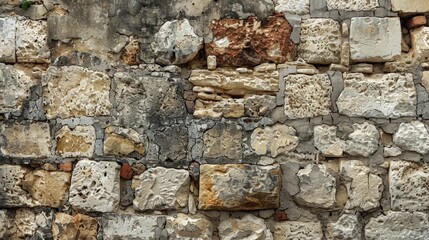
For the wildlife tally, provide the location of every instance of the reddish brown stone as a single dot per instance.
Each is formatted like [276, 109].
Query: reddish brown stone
[138, 168]
[130, 53]
[280, 216]
[67, 167]
[126, 171]
[251, 42]
[416, 21]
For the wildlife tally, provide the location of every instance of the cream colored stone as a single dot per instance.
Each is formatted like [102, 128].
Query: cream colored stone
[75, 91]
[259, 105]
[23, 225]
[78, 142]
[347, 227]
[299, 7]
[28, 140]
[123, 142]
[307, 96]
[320, 41]
[410, 6]
[363, 141]
[375, 39]
[276, 140]
[7, 39]
[291, 230]
[380, 96]
[223, 140]
[353, 5]
[130, 227]
[185, 227]
[419, 43]
[32, 41]
[425, 80]
[326, 141]
[12, 193]
[413, 136]
[229, 108]
[80, 226]
[211, 62]
[247, 227]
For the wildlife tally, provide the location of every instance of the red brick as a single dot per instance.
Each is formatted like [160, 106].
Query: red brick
[126, 171]
[416, 21]
[66, 167]
[280, 216]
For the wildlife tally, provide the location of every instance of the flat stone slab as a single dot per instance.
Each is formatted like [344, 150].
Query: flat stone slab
[132, 227]
[410, 6]
[239, 187]
[352, 5]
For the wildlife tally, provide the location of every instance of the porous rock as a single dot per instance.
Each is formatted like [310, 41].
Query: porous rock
[419, 39]
[239, 187]
[320, 41]
[326, 140]
[131, 226]
[289, 230]
[188, 227]
[95, 186]
[274, 140]
[11, 180]
[76, 142]
[354, 5]
[247, 227]
[300, 7]
[75, 91]
[161, 188]
[347, 227]
[398, 225]
[23, 225]
[7, 39]
[223, 140]
[32, 41]
[363, 141]
[390, 95]
[412, 136]
[79, 226]
[307, 95]
[123, 142]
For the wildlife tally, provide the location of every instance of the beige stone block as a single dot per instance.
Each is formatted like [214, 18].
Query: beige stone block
[223, 140]
[32, 41]
[7, 39]
[275, 140]
[410, 6]
[79, 226]
[123, 142]
[77, 142]
[352, 5]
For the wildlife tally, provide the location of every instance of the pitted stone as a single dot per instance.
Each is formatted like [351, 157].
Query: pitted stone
[413, 136]
[275, 140]
[290, 230]
[131, 226]
[7, 39]
[352, 5]
[32, 41]
[77, 142]
[247, 227]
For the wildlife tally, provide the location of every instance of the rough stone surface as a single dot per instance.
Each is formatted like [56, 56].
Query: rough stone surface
[346, 227]
[363, 141]
[123, 142]
[419, 40]
[176, 42]
[74, 227]
[75, 91]
[289, 230]
[408, 183]
[410, 6]
[320, 41]
[7, 39]
[247, 227]
[326, 141]
[172, 149]
[131, 227]
[276, 140]
[190, 227]
[223, 140]
[79, 142]
[375, 39]
[398, 225]
[23, 224]
[413, 136]
[364, 188]
[161, 188]
[27, 140]
[251, 42]
[317, 187]
[32, 41]
[11, 180]
[15, 85]
[353, 5]
[300, 7]
[307, 96]
[95, 186]
[381, 96]
[47, 188]
[239, 187]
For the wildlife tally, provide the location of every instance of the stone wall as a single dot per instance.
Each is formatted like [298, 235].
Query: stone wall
[214, 119]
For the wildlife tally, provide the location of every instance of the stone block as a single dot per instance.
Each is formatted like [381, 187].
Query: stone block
[251, 42]
[375, 39]
[398, 225]
[77, 142]
[412, 136]
[172, 142]
[307, 95]
[26, 140]
[13, 194]
[188, 227]
[239, 187]
[95, 186]
[123, 142]
[353, 5]
[419, 43]
[78, 226]
[346, 227]
[320, 41]
[161, 189]
[75, 91]
[299, 7]
[275, 140]
[379, 96]
[223, 140]
[132, 227]
[7, 39]
[32, 41]
[363, 141]
[326, 141]
[290, 230]
[249, 226]
[408, 186]
[410, 6]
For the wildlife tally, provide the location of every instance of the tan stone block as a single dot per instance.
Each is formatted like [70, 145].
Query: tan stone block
[410, 6]
[276, 140]
[223, 140]
[123, 142]
[78, 142]
[32, 41]
[66, 227]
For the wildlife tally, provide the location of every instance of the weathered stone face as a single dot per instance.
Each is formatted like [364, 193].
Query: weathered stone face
[132, 227]
[353, 5]
[176, 43]
[289, 230]
[77, 142]
[375, 39]
[410, 6]
[364, 189]
[300, 7]
[408, 183]
[239, 187]
[307, 96]
[172, 142]
[380, 96]
[15, 84]
[7, 38]
[326, 141]
[74, 227]
[320, 41]
[190, 227]
[317, 187]
[249, 227]
[123, 142]
[275, 140]
[251, 42]
[47, 188]
[398, 225]
[23, 224]
[29, 140]
[75, 91]
[363, 140]
[161, 188]
[95, 186]
[419, 39]
[32, 41]
[13, 194]
[223, 140]
[347, 227]
[412, 136]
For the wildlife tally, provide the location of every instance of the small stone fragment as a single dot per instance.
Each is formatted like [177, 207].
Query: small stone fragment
[276, 140]
[126, 171]
[416, 21]
[74, 227]
[291, 230]
[247, 227]
[392, 151]
[185, 227]
[131, 52]
[413, 136]
[67, 167]
[211, 62]
[79, 142]
[362, 68]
